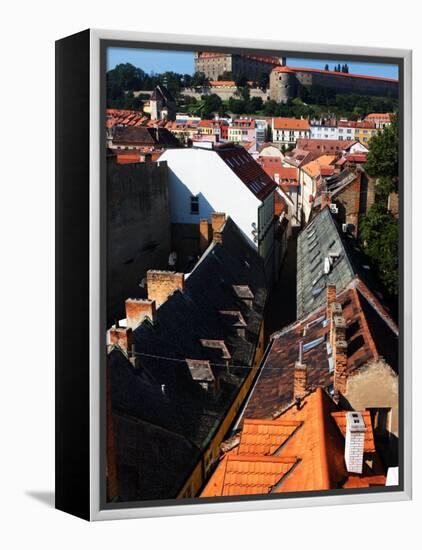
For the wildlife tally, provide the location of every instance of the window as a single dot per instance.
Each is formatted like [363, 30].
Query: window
[313, 343]
[194, 205]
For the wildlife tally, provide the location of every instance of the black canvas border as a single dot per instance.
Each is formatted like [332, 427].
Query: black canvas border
[72, 352]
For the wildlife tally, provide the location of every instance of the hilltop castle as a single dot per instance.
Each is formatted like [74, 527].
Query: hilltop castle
[284, 82]
[215, 64]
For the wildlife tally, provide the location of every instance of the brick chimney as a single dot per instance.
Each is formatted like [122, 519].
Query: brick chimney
[217, 237]
[340, 367]
[161, 284]
[336, 313]
[300, 377]
[138, 310]
[331, 298]
[204, 235]
[120, 336]
[355, 442]
[218, 219]
[325, 199]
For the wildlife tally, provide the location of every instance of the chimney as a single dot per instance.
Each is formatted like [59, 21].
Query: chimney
[204, 235]
[137, 310]
[355, 442]
[120, 336]
[277, 178]
[325, 199]
[336, 311]
[217, 237]
[331, 298]
[339, 325]
[161, 284]
[340, 367]
[218, 219]
[300, 376]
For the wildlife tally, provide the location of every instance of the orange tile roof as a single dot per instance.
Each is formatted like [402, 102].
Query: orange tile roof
[282, 123]
[313, 168]
[381, 116]
[273, 166]
[260, 437]
[340, 418]
[248, 475]
[311, 453]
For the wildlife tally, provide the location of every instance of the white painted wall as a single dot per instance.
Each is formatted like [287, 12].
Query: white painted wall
[288, 136]
[202, 172]
[348, 134]
[324, 132]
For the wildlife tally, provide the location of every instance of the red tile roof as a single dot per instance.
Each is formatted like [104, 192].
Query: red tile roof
[324, 145]
[358, 157]
[273, 166]
[379, 116]
[370, 334]
[247, 169]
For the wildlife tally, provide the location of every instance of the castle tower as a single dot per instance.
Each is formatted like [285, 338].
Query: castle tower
[282, 84]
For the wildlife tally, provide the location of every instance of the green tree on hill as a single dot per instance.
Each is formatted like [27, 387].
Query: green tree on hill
[379, 229]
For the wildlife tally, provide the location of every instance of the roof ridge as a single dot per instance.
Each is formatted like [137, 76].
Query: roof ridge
[262, 458]
[271, 421]
[376, 304]
[371, 342]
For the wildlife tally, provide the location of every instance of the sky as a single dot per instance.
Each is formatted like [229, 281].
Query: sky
[159, 61]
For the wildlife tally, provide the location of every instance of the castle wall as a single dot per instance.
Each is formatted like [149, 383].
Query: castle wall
[224, 92]
[347, 83]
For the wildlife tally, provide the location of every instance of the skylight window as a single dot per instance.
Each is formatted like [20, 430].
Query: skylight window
[316, 265]
[315, 321]
[313, 344]
[317, 278]
[315, 257]
[317, 291]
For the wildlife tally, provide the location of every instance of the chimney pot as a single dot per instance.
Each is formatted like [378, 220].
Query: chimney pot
[325, 199]
[300, 380]
[161, 284]
[218, 219]
[355, 442]
[204, 235]
[331, 298]
[218, 237]
[120, 336]
[137, 310]
[340, 366]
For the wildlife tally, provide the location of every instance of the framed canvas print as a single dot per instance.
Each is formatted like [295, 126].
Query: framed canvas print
[233, 274]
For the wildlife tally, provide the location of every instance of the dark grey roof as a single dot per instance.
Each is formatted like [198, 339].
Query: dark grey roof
[144, 136]
[185, 409]
[336, 183]
[162, 93]
[318, 245]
